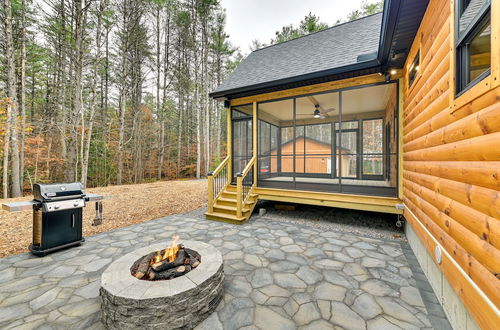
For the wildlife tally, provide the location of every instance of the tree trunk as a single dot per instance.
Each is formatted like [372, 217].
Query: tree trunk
[179, 135]
[159, 113]
[163, 119]
[93, 99]
[207, 102]
[22, 91]
[12, 94]
[79, 20]
[6, 149]
[121, 138]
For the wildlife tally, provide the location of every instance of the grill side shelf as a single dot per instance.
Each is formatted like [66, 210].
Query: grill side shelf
[95, 197]
[20, 206]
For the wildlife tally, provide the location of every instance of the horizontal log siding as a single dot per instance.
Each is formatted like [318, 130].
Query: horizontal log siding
[451, 162]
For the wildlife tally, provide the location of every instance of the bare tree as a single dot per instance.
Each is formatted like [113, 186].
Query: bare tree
[103, 5]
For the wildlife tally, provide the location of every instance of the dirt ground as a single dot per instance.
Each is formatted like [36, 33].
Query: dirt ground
[127, 205]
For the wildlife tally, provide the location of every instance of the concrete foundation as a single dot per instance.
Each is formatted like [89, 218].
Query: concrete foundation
[457, 314]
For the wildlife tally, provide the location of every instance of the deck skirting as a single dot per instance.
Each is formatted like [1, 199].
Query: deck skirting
[347, 201]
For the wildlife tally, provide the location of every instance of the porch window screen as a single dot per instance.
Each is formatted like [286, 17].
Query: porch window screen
[473, 43]
[241, 121]
[373, 147]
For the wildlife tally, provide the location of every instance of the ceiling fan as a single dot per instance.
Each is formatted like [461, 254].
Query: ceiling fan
[319, 112]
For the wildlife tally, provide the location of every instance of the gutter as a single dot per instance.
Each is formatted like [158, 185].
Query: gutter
[390, 18]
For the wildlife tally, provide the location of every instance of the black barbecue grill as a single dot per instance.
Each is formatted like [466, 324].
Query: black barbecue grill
[57, 215]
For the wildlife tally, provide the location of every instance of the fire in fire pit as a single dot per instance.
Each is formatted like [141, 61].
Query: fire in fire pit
[172, 262]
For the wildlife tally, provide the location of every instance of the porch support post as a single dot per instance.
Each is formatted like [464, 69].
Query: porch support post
[229, 145]
[255, 148]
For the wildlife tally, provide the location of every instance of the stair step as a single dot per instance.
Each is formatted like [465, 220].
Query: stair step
[224, 217]
[229, 194]
[226, 201]
[224, 208]
[232, 200]
[230, 208]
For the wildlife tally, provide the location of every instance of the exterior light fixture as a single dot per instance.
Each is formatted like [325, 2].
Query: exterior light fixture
[393, 71]
[317, 114]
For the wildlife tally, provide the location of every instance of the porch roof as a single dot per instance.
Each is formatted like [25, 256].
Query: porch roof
[367, 45]
[335, 47]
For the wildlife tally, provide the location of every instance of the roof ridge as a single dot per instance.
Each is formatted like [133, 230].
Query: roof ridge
[310, 34]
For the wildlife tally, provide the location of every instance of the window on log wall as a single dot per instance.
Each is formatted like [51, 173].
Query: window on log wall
[415, 67]
[473, 42]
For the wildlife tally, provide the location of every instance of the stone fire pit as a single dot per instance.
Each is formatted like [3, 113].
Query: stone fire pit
[182, 302]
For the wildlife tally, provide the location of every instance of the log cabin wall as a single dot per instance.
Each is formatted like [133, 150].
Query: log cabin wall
[451, 163]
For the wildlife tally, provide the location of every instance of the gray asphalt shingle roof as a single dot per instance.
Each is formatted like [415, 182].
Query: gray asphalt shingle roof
[332, 48]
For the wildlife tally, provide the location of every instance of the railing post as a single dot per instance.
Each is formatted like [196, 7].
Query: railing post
[239, 197]
[210, 178]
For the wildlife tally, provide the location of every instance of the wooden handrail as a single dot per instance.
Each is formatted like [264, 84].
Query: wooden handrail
[218, 185]
[239, 186]
[220, 167]
[248, 167]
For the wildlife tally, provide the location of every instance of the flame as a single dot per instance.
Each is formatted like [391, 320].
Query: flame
[170, 252]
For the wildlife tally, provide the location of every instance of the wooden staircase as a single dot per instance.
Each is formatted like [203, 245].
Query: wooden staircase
[227, 202]
[225, 207]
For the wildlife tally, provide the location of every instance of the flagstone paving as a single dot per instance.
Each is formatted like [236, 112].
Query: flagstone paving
[277, 276]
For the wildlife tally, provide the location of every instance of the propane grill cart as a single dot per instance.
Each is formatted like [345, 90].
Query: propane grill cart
[57, 215]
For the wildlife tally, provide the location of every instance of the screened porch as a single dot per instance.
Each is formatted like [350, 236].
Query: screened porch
[342, 141]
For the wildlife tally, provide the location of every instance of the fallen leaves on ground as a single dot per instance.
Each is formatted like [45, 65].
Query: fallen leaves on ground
[126, 205]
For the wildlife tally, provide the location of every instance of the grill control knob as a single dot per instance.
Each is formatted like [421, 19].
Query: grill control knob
[75, 204]
[56, 207]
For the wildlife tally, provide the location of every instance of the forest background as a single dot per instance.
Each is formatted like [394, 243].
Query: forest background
[116, 91]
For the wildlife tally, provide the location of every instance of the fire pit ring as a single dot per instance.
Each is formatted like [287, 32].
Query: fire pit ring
[182, 302]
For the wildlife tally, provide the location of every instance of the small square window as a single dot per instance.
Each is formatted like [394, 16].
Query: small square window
[414, 68]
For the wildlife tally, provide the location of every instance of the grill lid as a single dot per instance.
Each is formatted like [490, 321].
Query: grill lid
[57, 191]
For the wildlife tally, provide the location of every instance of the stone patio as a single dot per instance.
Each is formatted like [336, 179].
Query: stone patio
[278, 276]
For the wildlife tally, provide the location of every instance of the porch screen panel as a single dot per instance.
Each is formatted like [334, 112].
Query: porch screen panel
[373, 147]
[300, 144]
[275, 131]
[241, 121]
[347, 149]
[368, 140]
[286, 155]
[264, 149]
[276, 141]
[315, 163]
[242, 148]
[318, 150]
